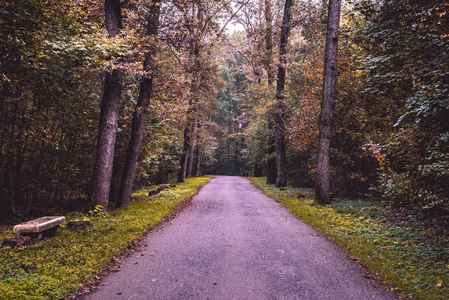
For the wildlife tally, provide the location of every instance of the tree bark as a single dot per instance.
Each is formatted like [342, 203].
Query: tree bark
[280, 97]
[113, 191]
[192, 145]
[101, 179]
[271, 162]
[102, 174]
[194, 56]
[198, 159]
[328, 104]
[113, 17]
[186, 147]
[141, 111]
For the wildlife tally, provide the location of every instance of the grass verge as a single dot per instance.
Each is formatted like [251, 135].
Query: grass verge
[406, 255]
[69, 262]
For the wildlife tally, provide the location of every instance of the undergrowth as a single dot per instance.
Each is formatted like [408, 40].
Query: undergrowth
[407, 255]
[70, 261]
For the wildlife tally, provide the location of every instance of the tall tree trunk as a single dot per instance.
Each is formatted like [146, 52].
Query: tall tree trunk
[280, 96]
[113, 191]
[192, 145]
[328, 104]
[228, 148]
[198, 159]
[194, 56]
[110, 105]
[186, 147]
[188, 140]
[271, 162]
[235, 168]
[141, 111]
[101, 179]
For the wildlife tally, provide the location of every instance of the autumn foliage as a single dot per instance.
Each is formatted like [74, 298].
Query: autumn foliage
[390, 134]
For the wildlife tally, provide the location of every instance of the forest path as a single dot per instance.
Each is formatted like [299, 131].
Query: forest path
[234, 242]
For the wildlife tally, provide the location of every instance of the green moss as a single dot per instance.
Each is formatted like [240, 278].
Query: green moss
[68, 262]
[405, 258]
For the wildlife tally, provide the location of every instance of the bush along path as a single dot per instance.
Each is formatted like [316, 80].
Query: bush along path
[73, 259]
[401, 249]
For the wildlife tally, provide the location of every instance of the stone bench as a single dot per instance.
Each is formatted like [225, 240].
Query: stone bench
[40, 226]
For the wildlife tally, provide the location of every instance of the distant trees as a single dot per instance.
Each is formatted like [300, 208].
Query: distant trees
[181, 97]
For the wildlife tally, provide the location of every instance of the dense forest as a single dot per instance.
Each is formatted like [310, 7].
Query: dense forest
[100, 97]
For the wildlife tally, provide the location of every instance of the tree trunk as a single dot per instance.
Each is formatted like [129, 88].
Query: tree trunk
[194, 56]
[198, 160]
[235, 165]
[186, 149]
[113, 191]
[271, 162]
[280, 97]
[101, 178]
[228, 148]
[192, 145]
[328, 104]
[141, 111]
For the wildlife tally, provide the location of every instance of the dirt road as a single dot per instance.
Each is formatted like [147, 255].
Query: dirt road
[234, 242]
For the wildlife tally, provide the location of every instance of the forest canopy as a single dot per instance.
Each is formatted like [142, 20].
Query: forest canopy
[213, 107]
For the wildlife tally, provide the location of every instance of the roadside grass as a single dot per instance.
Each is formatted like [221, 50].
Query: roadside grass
[405, 254]
[71, 261]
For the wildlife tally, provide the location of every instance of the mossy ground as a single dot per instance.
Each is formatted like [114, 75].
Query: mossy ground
[70, 261]
[399, 247]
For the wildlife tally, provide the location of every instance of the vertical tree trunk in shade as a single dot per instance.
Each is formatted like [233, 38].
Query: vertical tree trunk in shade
[186, 146]
[141, 110]
[110, 104]
[198, 162]
[113, 191]
[194, 55]
[188, 130]
[235, 167]
[228, 148]
[189, 169]
[257, 170]
[271, 162]
[192, 145]
[198, 156]
[328, 104]
[280, 97]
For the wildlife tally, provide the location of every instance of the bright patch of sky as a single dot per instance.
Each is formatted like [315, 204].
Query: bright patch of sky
[230, 28]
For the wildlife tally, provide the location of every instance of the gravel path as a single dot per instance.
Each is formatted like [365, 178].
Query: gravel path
[234, 242]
